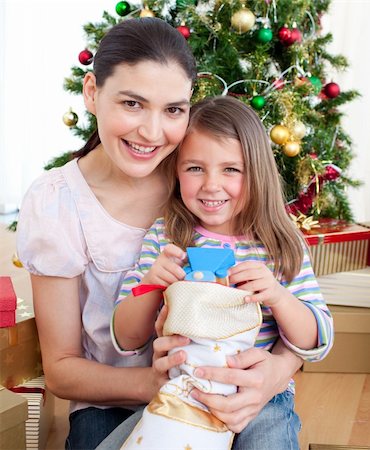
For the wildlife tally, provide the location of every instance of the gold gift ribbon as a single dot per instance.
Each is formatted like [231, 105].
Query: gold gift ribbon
[174, 408]
[304, 222]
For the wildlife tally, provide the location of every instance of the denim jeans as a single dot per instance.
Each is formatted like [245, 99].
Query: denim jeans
[90, 426]
[275, 428]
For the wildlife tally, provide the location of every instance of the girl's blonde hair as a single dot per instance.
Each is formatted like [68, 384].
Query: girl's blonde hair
[263, 215]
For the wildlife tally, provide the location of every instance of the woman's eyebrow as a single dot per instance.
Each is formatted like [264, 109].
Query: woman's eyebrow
[140, 98]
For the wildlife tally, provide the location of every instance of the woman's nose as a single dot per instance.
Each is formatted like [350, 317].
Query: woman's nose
[151, 129]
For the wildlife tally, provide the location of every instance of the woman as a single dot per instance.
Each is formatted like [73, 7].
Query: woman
[75, 220]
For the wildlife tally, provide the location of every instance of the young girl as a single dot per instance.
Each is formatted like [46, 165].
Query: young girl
[226, 193]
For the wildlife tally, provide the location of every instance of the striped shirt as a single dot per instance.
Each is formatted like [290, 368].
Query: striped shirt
[304, 286]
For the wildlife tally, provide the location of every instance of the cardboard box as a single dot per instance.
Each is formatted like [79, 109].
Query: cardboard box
[347, 288]
[20, 356]
[40, 412]
[336, 447]
[13, 414]
[338, 247]
[351, 349]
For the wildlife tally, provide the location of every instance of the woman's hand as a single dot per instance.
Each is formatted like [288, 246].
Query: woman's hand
[162, 362]
[256, 277]
[258, 374]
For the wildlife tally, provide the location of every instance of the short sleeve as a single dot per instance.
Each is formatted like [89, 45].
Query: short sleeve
[49, 235]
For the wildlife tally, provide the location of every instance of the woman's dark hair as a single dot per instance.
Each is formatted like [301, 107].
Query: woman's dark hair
[133, 41]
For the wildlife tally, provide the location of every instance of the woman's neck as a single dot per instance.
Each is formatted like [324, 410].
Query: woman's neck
[134, 201]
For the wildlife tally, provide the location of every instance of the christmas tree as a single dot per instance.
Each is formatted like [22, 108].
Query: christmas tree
[271, 55]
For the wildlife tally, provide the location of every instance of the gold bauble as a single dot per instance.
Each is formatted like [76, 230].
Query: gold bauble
[70, 118]
[298, 129]
[146, 12]
[243, 20]
[16, 261]
[279, 134]
[291, 148]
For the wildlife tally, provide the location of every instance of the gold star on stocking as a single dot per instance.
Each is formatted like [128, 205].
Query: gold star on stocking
[139, 439]
[216, 348]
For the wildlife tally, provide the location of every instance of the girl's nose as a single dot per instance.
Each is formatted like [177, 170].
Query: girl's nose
[211, 184]
[151, 129]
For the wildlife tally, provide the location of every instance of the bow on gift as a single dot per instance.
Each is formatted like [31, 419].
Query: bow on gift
[304, 222]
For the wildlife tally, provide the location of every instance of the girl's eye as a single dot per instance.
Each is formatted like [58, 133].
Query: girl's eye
[194, 169]
[232, 170]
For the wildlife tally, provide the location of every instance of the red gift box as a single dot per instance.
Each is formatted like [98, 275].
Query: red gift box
[337, 246]
[8, 303]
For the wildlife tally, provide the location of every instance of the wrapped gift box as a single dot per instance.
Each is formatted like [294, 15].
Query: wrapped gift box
[337, 246]
[40, 412]
[20, 356]
[8, 302]
[13, 414]
[351, 349]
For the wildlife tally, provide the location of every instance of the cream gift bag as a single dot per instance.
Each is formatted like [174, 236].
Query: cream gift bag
[219, 323]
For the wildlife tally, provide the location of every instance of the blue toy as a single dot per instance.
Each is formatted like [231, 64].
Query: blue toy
[209, 264]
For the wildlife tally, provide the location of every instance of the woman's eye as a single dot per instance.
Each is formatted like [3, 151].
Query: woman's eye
[175, 110]
[131, 103]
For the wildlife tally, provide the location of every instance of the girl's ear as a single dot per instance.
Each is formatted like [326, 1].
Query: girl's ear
[89, 92]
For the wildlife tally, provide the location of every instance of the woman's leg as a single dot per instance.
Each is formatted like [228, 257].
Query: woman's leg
[90, 426]
[116, 439]
[276, 427]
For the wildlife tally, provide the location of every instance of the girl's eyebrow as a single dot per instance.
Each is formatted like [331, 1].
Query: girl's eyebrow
[139, 98]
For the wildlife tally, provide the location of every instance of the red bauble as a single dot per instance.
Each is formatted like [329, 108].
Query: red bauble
[296, 35]
[85, 57]
[284, 34]
[331, 90]
[332, 172]
[278, 84]
[184, 30]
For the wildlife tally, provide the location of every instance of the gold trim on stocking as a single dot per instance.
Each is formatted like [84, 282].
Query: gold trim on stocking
[174, 408]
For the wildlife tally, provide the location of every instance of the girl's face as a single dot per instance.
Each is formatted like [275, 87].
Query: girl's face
[142, 112]
[211, 173]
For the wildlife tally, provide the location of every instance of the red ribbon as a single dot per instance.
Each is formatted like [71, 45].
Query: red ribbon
[29, 390]
[145, 288]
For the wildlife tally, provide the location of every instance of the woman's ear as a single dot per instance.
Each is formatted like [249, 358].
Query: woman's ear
[89, 92]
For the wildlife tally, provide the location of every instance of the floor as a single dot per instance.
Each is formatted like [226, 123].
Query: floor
[334, 408]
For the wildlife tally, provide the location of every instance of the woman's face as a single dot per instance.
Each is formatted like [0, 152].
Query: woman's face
[142, 112]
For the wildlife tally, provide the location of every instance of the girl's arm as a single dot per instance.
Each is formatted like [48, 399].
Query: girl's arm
[134, 317]
[68, 374]
[296, 321]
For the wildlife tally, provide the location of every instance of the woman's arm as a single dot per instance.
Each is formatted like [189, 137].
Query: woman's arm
[259, 375]
[68, 374]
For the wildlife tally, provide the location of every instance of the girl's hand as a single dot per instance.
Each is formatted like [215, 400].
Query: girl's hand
[256, 386]
[256, 277]
[167, 267]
